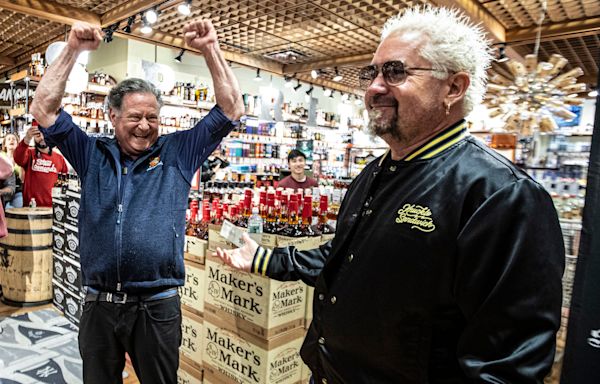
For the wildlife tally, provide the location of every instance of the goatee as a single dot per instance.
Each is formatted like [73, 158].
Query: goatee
[379, 126]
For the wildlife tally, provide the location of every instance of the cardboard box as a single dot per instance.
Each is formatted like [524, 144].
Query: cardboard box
[195, 249]
[58, 296]
[58, 268]
[59, 210]
[72, 199]
[192, 293]
[192, 339]
[253, 303]
[72, 276]
[72, 244]
[305, 374]
[231, 357]
[59, 239]
[73, 306]
[188, 374]
[301, 243]
[310, 294]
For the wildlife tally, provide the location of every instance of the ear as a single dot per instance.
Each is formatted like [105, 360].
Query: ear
[112, 115]
[458, 85]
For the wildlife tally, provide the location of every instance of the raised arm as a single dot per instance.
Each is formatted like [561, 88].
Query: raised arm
[49, 93]
[201, 35]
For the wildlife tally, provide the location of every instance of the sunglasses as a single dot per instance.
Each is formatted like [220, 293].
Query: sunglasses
[394, 73]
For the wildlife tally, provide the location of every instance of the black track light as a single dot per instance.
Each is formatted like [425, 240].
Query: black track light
[130, 21]
[298, 86]
[179, 57]
[310, 90]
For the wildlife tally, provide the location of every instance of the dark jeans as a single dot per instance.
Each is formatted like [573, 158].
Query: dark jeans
[149, 331]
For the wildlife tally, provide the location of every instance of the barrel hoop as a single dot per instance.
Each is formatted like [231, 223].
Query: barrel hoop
[22, 248]
[9, 215]
[29, 231]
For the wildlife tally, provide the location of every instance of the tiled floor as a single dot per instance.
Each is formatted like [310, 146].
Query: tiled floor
[6, 310]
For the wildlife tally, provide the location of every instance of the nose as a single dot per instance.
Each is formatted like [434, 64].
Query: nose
[144, 124]
[378, 85]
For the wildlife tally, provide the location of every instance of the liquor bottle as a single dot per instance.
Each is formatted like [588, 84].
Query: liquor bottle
[190, 228]
[262, 204]
[271, 221]
[323, 226]
[202, 228]
[305, 227]
[292, 229]
[247, 208]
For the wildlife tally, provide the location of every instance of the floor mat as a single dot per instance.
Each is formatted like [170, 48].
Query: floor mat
[39, 347]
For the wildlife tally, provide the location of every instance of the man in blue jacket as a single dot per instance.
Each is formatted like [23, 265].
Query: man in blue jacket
[132, 212]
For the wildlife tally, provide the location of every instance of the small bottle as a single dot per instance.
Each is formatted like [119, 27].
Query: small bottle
[255, 222]
[32, 203]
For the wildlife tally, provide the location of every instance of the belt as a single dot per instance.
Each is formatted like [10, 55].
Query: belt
[122, 297]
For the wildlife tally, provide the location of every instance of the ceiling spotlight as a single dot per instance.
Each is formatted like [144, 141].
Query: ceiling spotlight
[314, 74]
[298, 86]
[331, 94]
[502, 54]
[326, 92]
[310, 90]
[258, 78]
[337, 76]
[344, 96]
[185, 8]
[151, 16]
[593, 93]
[130, 21]
[357, 100]
[146, 29]
[288, 82]
[180, 56]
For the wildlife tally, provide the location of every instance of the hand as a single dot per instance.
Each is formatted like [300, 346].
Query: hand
[239, 258]
[200, 34]
[85, 37]
[31, 133]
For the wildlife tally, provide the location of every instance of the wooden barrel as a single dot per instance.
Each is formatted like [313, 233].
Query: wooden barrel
[26, 257]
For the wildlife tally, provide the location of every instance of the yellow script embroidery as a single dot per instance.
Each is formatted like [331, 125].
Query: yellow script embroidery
[418, 216]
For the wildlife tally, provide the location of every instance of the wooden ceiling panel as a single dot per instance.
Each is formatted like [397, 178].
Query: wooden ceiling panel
[292, 53]
[300, 23]
[246, 39]
[95, 6]
[20, 33]
[344, 44]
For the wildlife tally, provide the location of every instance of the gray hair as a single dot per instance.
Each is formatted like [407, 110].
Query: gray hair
[453, 44]
[133, 85]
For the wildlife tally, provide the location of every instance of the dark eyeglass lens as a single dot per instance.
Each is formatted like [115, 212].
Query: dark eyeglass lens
[367, 74]
[393, 72]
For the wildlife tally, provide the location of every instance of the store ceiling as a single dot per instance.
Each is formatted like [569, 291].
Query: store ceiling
[292, 37]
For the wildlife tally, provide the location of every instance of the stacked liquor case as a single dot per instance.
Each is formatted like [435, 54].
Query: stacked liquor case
[68, 294]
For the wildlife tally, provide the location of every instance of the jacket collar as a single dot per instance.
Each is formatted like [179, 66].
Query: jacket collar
[437, 144]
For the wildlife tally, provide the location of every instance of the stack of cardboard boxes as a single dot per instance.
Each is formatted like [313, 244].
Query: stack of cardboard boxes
[251, 327]
[66, 279]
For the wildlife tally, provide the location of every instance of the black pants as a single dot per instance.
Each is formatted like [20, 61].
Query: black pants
[150, 332]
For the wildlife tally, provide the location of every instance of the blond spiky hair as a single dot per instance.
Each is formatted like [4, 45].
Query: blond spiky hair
[452, 44]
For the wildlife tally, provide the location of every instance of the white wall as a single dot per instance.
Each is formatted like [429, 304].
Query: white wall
[123, 58]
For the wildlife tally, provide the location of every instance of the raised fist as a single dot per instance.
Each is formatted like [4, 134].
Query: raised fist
[84, 37]
[200, 34]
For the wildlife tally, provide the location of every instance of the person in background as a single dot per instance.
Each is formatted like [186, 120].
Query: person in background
[7, 181]
[41, 166]
[447, 261]
[9, 144]
[297, 179]
[134, 195]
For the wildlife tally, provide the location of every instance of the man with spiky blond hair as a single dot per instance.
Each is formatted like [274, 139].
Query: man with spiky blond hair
[447, 261]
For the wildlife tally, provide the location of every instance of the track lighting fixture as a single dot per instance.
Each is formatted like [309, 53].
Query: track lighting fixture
[130, 21]
[501, 53]
[185, 8]
[179, 57]
[337, 76]
[151, 16]
[298, 86]
[310, 90]
[146, 28]
[326, 92]
[331, 94]
[288, 82]
[344, 96]
[314, 74]
[357, 100]
[258, 78]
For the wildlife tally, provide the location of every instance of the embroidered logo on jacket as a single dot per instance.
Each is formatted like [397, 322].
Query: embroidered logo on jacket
[154, 162]
[418, 216]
